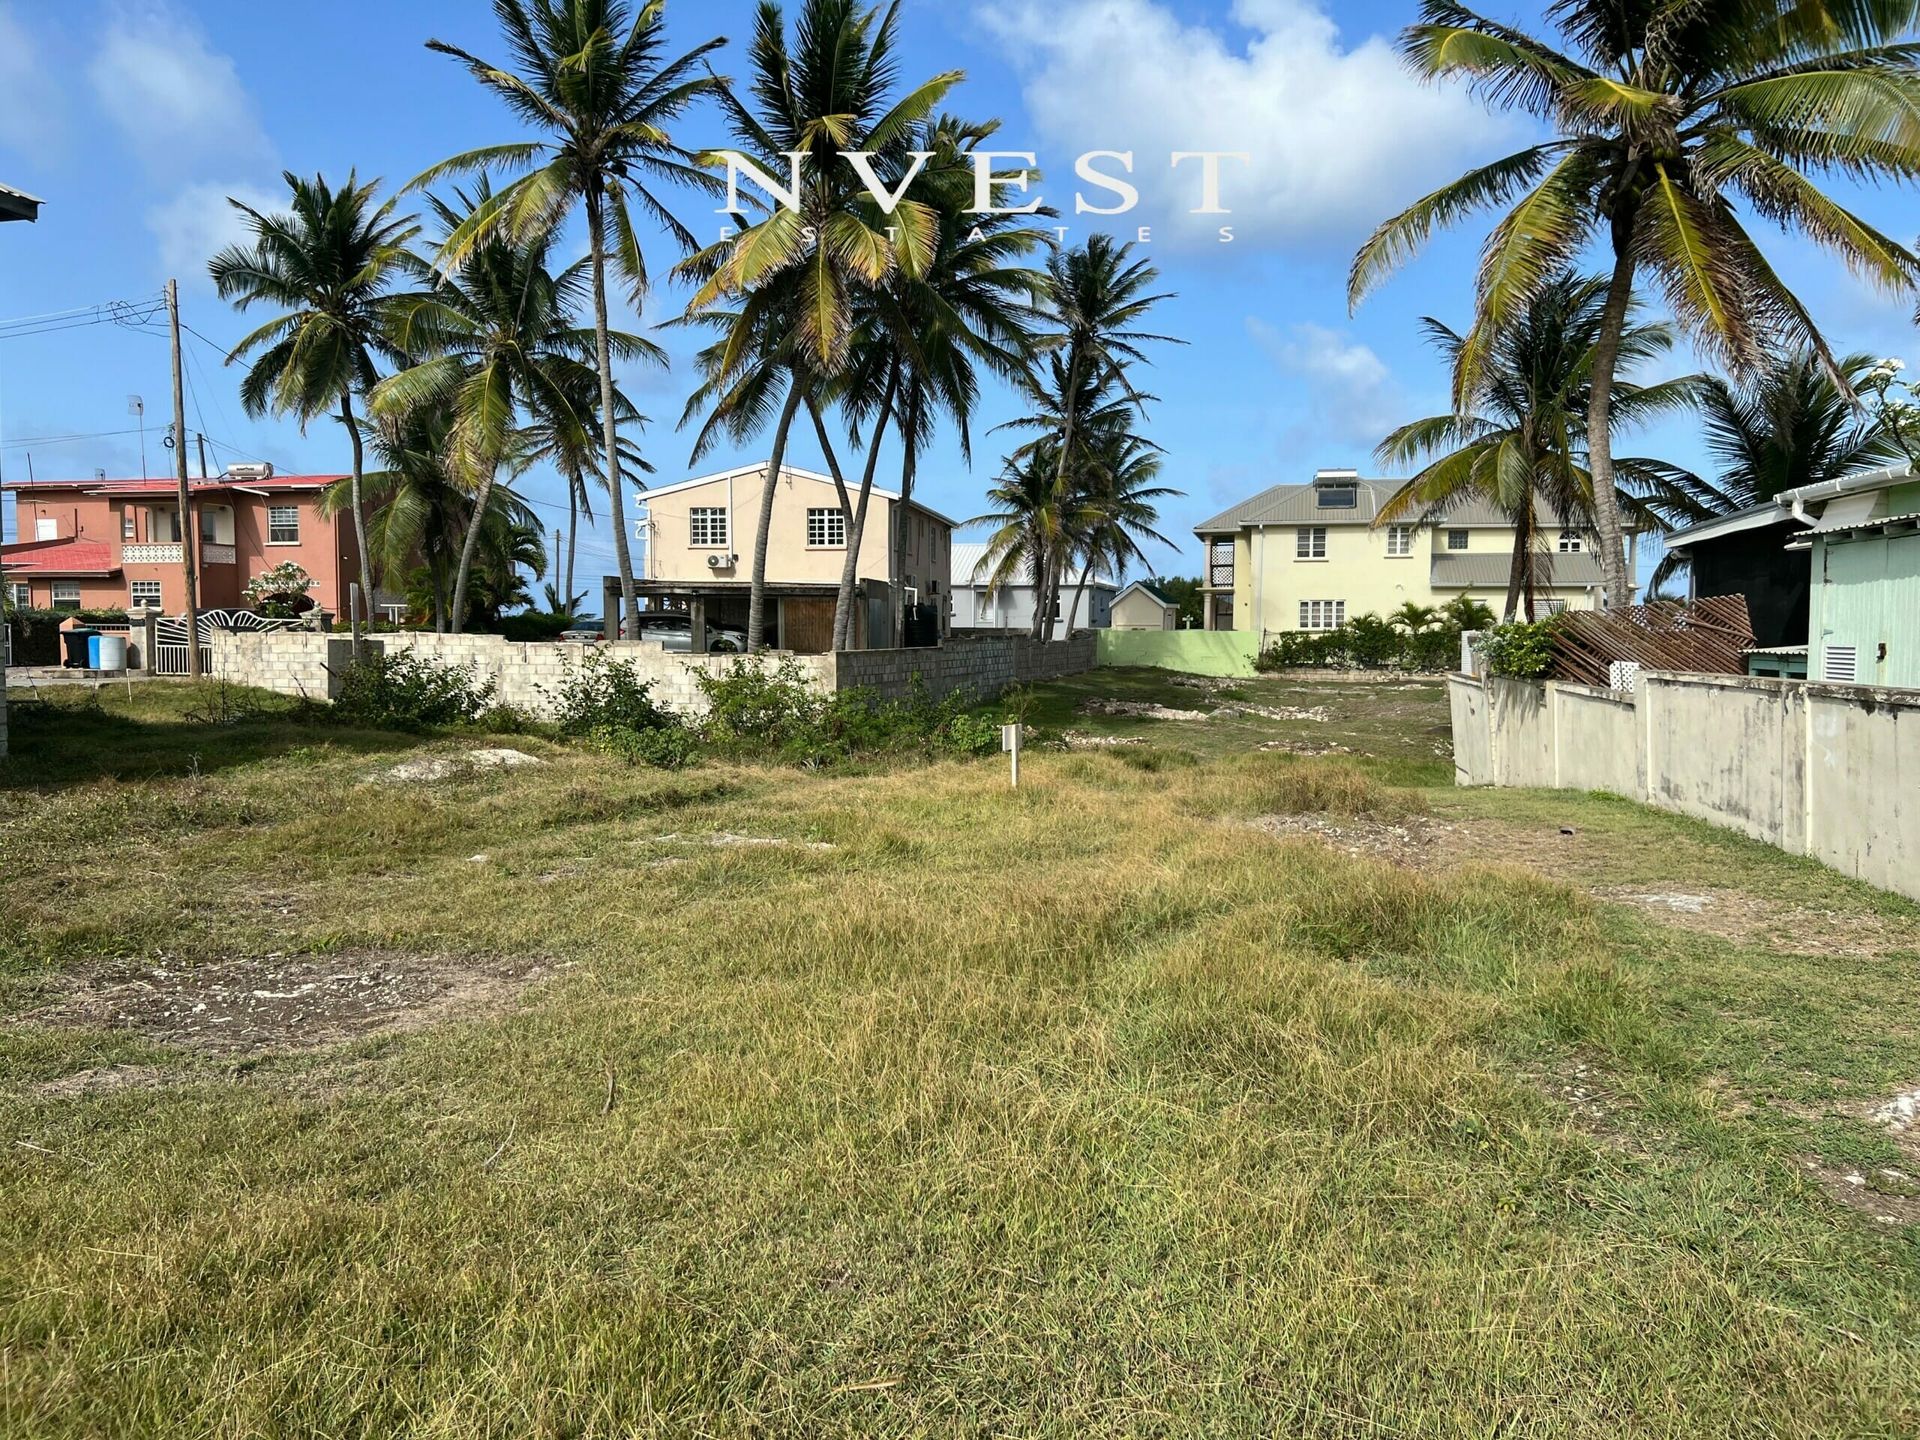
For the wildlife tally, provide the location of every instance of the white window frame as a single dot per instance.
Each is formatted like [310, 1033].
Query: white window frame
[1310, 542]
[824, 522]
[274, 524]
[1571, 542]
[1400, 541]
[707, 528]
[135, 589]
[127, 524]
[71, 589]
[1460, 535]
[20, 593]
[1322, 614]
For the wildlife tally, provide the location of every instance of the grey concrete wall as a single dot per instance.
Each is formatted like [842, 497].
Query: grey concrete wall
[1831, 771]
[296, 662]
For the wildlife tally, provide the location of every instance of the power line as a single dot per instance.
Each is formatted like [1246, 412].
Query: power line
[64, 439]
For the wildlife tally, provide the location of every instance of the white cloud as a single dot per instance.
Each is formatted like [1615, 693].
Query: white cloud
[1352, 397]
[198, 222]
[29, 100]
[178, 102]
[1340, 136]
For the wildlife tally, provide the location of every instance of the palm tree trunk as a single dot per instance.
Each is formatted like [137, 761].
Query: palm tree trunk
[850, 571]
[1042, 593]
[1606, 355]
[757, 597]
[573, 539]
[470, 548]
[609, 422]
[1073, 613]
[359, 506]
[908, 464]
[1516, 575]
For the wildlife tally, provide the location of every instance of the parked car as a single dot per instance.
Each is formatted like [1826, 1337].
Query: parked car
[673, 631]
[583, 633]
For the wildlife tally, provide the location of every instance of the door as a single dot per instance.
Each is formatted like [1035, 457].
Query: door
[809, 625]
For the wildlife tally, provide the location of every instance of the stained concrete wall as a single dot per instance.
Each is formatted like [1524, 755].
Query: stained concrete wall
[1831, 771]
[295, 662]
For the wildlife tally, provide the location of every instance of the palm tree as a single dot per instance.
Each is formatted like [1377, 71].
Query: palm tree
[1674, 110]
[1091, 301]
[1522, 445]
[1031, 521]
[795, 306]
[590, 75]
[1413, 618]
[329, 262]
[501, 341]
[1117, 511]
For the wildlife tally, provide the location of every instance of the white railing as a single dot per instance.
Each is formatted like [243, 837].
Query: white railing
[211, 554]
[172, 659]
[166, 554]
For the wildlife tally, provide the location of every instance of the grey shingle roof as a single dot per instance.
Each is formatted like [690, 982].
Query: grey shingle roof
[1490, 571]
[1296, 504]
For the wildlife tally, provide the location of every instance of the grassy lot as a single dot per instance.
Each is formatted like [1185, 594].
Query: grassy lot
[580, 1100]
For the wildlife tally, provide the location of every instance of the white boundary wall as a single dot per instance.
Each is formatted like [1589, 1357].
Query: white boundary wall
[1831, 771]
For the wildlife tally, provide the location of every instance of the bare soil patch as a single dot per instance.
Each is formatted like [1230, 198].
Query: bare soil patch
[105, 1080]
[1415, 842]
[252, 1005]
[1884, 1193]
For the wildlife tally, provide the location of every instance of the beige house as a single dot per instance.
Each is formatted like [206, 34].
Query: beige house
[1144, 606]
[698, 538]
[1309, 557]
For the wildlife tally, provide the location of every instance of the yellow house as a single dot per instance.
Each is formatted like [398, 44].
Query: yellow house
[1308, 557]
[1143, 605]
[698, 540]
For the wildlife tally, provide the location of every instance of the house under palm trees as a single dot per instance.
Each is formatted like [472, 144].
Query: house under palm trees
[698, 537]
[1309, 557]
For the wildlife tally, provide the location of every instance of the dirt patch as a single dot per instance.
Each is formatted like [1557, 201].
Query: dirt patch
[1883, 1193]
[1416, 842]
[1081, 740]
[1316, 713]
[105, 1080]
[430, 768]
[1305, 747]
[726, 840]
[1139, 710]
[250, 1005]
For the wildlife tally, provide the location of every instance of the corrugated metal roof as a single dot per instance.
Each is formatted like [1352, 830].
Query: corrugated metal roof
[1491, 571]
[1298, 504]
[1841, 527]
[58, 557]
[1756, 518]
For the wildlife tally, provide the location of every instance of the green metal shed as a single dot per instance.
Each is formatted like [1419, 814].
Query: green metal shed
[1864, 604]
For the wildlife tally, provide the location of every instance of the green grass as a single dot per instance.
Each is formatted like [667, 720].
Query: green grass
[1081, 1110]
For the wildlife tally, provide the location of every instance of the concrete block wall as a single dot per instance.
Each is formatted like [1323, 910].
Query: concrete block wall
[1830, 771]
[979, 666]
[288, 662]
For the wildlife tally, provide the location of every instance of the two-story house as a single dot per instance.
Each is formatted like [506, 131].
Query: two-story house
[1309, 557]
[698, 538]
[105, 544]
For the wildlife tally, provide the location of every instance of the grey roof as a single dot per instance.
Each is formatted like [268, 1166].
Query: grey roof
[1490, 571]
[18, 204]
[1756, 517]
[1295, 504]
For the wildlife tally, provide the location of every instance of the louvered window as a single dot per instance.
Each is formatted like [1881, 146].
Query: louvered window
[1842, 664]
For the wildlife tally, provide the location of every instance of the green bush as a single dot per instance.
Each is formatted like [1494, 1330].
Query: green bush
[534, 625]
[1368, 642]
[773, 712]
[667, 748]
[1521, 651]
[753, 707]
[405, 691]
[602, 693]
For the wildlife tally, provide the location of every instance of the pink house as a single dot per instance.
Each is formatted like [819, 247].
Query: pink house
[108, 544]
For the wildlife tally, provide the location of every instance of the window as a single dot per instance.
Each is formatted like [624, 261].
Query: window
[283, 524]
[1322, 614]
[1220, 563]
[66, 594]
[1310, 543]
[1456, 539]
[126, 523]
[1570, 542]
[826, 529]
[1337, 497]
[144, 592]
[707, 527]
[209, 528]
[21, 594]
[163, 527]
[1550, 607]
[1400, 540]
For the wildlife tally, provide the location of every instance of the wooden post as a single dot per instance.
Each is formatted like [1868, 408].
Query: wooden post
[187, 532]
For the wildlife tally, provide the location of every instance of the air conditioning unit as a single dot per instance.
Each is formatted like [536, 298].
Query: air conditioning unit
[721, 562]
[258, 470]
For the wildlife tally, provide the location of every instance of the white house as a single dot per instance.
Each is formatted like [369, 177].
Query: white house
[1011, 606]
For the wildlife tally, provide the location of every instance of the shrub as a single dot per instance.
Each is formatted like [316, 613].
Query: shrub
[750, 705]
[1521, 651]
[667, 748]
[535, 625]
[406, 691]
[1372, 642]
[1368, 642]
[755, 710]
[602, 693]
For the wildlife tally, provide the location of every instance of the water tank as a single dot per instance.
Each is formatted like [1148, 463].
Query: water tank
[113, 652]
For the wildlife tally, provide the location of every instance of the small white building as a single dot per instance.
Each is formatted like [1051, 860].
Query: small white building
[1011, 606]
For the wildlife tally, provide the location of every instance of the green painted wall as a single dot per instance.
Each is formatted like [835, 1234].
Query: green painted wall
[1197, 652]
[1866, 593]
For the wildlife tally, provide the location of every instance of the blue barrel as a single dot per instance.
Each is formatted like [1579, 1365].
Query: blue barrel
[93, 652]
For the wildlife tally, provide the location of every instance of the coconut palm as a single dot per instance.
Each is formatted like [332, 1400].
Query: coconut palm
[592, 78]
[787, 309]
[502, 342]
[1672, 112]
[1032, 520]
[330, 262]
[1522, 446]
[1117, 511]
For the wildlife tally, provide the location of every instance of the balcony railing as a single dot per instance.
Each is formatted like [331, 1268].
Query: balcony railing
[163, 554]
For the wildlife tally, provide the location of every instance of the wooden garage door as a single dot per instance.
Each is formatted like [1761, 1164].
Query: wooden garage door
[808, 626]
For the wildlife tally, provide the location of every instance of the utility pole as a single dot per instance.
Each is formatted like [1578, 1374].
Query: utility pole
[187, 533]
[202, 440]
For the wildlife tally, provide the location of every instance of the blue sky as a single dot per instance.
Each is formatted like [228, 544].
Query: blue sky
[133, 119]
